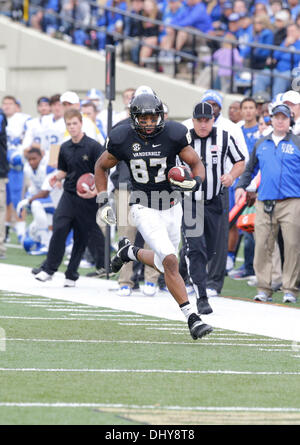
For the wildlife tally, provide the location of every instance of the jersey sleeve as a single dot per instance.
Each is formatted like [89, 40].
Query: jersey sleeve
[115, 141]
[113, 149]
[181, 134]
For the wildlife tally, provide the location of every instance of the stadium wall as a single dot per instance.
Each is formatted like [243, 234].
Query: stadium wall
[33, 64]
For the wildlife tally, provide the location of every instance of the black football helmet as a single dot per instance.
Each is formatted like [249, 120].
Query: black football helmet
[145, 104]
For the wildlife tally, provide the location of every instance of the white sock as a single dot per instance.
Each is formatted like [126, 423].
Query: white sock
[132, 252]
[187, 309]
[20, 227]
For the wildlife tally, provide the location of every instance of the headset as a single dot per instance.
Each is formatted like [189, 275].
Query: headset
[292, 120]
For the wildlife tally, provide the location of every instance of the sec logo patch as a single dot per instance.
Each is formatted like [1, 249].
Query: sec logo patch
[136, 147]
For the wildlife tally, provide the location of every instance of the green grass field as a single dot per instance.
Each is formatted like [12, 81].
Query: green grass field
[68, 363]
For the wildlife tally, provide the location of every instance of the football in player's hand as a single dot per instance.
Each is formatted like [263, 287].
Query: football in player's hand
[179, 173]
[85, 182]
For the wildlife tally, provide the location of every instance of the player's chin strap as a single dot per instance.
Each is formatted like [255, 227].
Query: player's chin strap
[105, 212]
[188, 185]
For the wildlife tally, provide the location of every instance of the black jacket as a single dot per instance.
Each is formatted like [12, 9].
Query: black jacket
[3, 146]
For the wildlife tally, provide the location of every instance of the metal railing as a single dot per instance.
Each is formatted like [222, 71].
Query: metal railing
[185, 55]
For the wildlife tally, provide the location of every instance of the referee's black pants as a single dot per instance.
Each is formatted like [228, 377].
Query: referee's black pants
[199, 250]
[74, 213]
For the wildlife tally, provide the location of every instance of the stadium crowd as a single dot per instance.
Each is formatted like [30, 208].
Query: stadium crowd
[33, 144]
[273, 22]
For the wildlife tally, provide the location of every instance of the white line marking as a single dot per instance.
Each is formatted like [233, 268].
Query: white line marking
[151, 371]
[65, 318]
[203, 342]
[149, 407]
[92, 311]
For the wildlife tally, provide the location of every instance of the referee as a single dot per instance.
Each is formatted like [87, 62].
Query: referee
[214, 146]
[75, 211]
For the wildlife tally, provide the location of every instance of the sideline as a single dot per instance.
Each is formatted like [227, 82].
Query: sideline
[235, 315]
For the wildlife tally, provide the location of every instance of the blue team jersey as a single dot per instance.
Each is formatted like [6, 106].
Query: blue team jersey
[251, 135]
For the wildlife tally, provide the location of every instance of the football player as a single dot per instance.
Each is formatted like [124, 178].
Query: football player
[149, 147]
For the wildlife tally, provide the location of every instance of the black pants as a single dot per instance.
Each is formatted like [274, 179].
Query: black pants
[74, 213]
[217, 264]
[96, 246]
[199, 250]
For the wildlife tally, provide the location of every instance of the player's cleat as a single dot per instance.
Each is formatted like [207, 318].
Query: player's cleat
[197, 327]
[69, 283]
[121, 256]
[203, 306]
[43, 276]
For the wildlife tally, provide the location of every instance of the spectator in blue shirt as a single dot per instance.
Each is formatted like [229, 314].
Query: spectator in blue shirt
[193, 16]
[294, 7]
[284, 64]
[173, 10]
[262, 33]
[44, 20]
[112, 21]
[245, 34]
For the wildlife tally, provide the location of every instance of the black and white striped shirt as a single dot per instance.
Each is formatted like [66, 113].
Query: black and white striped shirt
[214, 151]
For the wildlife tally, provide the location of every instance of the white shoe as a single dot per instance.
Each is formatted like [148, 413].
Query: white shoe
[252, 281]
[42, 250]
[190, 290]
[211, 293]
[43, 276]
[84, 264]
[262, 297]
[69, 283]
[149, 289]
[229, 264]
[289, 298]
[124, 291]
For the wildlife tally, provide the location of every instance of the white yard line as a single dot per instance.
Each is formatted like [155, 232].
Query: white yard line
[151, 371]
[148, 407]
[208, 342]
[234, 315]
[64, 318]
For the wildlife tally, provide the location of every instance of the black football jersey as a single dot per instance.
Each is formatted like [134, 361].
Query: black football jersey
[149, 160]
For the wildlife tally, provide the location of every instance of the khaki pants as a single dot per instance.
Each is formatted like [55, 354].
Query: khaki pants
[286, 214]
[129, 231]
[2, 215]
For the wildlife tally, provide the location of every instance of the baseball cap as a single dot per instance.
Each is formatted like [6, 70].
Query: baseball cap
[43, 99]
[70, 96]
[234, 17]
[227, 5]
[284, 109]
[282, 15]
[261, 97]
[94, 94]
[291, 96]
[203, 109]
[214, 96]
